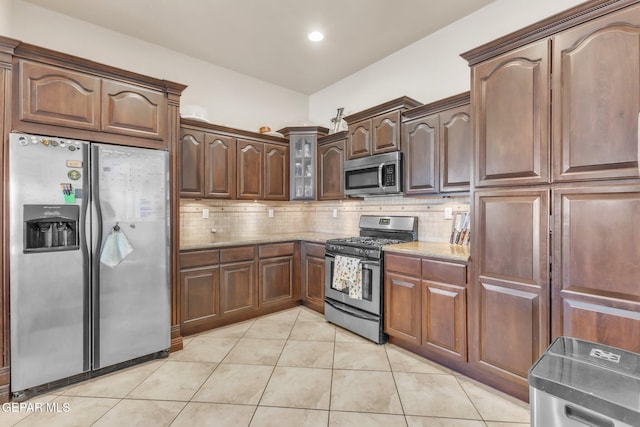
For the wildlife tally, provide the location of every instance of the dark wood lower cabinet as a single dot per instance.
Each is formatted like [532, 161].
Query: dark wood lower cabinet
[426, 307]
[223, 286]
[402, 294]
[200, 299]
[237, 288]
[279, 271]
[313, 276]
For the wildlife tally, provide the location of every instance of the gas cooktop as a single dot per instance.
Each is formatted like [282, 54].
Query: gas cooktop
[364, 242]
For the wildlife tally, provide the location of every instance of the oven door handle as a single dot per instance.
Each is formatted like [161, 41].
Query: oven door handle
[347, 309]
[363, 262]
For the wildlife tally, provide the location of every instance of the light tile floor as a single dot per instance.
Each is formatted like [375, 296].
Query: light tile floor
[286, 369]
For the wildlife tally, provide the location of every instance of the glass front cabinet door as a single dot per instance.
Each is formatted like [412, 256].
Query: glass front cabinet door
[303, 154]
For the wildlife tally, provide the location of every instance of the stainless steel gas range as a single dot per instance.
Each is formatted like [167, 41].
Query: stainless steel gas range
[354, 274]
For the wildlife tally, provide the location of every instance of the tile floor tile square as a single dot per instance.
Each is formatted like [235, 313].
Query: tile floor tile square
[413, 421]
[269, 329]
[240, 384]
[342, 335]
[364, 391]
[313, 331]
[361, 419]
[236, 330]
[434, 395]
[307, 354]
[307, 388]
[288, 417]
[307, 315]
[361, 356]
[495, 406]
[141, 413]
[205, 349]
[174, 381]
[256, 351]
[405, 361]
[214, 415]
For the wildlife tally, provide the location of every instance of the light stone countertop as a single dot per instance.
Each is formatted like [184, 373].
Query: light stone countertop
[213, 241]
[425, 249]
[431, 249]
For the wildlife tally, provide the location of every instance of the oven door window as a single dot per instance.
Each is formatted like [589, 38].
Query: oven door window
[361, 178]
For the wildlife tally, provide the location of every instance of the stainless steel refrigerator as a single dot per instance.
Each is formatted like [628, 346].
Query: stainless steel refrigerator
[89, 257]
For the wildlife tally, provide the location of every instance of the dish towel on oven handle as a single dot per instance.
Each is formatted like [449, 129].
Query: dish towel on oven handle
[347, 273]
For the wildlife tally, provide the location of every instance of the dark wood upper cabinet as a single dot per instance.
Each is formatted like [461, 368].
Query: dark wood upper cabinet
[191, 163]
[276, 172]
[359, 140]
[386, 132]
[376, 130]
[596, 272]
[420, 150]
[236, 164]
[596, 99]
[250, 169]
[456, 145]
[511, 109]
[133, 110]
[437, 145]
[220, 166]
[331, 156]
[57, 96]
[509, 308]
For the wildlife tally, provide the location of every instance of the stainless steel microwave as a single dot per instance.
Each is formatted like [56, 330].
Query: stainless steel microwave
[380, 174]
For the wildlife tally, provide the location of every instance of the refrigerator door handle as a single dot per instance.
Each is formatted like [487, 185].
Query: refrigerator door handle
[97, 242]
[85, 248]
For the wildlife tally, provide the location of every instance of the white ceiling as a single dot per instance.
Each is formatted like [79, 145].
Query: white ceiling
[267, 39]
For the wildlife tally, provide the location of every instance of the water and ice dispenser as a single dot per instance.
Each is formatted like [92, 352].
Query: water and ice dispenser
[51, 228]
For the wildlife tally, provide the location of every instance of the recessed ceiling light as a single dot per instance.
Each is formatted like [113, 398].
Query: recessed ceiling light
[315, 36]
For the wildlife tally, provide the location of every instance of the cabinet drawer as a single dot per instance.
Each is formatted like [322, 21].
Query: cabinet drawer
[445, 272]
[279, 249]
[402, 264]
[243, 253]
[199, 258]
[314, 250]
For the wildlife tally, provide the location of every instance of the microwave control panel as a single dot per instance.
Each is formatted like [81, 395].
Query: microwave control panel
[389, 175]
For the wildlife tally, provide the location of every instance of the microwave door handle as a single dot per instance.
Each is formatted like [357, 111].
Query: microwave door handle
[380, 168]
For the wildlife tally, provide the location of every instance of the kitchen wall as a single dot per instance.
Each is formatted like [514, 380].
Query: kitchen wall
[6, 11]
[428, 70]
[431, 68]
[232, 218]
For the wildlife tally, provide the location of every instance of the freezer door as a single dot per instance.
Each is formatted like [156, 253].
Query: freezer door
[49, 262]
[131, 273]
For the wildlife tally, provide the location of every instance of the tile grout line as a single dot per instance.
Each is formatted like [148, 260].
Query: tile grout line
[393, 376]
[274, 367]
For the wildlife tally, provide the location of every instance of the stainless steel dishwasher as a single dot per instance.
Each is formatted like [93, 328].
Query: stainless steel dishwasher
[577, 383]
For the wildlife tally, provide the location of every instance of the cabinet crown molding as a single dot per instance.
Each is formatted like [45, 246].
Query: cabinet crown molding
[402, 103]
[561, 21]
[438, 106]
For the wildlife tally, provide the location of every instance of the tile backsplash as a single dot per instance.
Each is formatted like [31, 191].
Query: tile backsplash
[235, 217]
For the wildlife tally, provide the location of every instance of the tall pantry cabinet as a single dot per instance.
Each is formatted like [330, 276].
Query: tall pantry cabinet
[556, 194]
